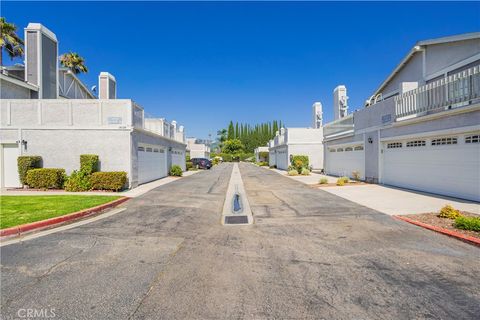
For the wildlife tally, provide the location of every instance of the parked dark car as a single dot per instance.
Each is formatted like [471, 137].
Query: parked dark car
[201, 163]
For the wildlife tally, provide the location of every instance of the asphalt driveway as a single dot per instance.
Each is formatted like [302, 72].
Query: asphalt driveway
[309, 255]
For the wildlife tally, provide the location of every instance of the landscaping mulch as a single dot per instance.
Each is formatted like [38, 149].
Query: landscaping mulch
[433, 220]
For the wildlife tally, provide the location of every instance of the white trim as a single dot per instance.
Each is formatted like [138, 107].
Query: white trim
[453, 67]
[39, 27]
[339, 135]
[443, 132]
[39, 65]
[19, 82]
[348, 144]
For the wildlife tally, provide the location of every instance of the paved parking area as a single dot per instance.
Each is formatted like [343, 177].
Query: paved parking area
[309, 255]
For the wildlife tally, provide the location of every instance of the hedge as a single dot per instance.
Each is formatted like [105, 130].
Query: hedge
[89, 163]
[46, 178]
[78, 181]
[26, 163]
[109, 180]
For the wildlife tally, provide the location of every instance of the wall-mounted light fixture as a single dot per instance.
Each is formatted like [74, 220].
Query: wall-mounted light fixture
[23, 143]
[370, 140]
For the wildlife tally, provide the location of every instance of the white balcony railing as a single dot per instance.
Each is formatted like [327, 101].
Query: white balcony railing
[454, 91]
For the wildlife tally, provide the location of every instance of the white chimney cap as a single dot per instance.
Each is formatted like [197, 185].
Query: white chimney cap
[40, 27]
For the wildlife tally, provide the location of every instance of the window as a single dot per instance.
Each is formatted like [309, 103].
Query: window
[416, 143]
[149, 149]
[442, 141]
[348, 149]
[472, 139]
[394, 145]
[141, 149]
[358, 148]
[340, 150]
[332, 150]
[162, 151]
[155, 150]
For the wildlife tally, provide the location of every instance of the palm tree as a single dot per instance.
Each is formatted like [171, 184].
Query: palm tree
[74, 62]
[9, 40]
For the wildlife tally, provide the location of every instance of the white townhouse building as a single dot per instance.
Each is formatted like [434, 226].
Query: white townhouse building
[421, 128]
[198, 148]
[299, 141]
[47, 111]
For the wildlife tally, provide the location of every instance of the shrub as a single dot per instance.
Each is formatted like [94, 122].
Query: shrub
[175, 171]
[26, 163]
[356, 175]
[299, 162]
[189, 165]
[468, 223]
[323, 181]
[89, 163]
[263, 164]
[46, 178]
[292, 172]
[109, 180]
[78, 181]
[340, 182]
[449, 212]
[305, 172]
[345, 179]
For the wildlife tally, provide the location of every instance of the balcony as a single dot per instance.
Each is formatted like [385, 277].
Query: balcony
[455, 91]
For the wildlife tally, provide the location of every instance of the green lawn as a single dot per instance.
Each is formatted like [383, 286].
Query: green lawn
[16, 210]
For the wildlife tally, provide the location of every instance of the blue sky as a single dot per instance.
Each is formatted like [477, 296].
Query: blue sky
[204, 63]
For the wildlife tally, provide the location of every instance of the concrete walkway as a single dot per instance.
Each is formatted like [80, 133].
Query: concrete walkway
[386, 199]
[135, 192]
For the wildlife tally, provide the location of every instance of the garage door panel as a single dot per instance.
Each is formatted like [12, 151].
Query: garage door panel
[151, 165]
[451, 170]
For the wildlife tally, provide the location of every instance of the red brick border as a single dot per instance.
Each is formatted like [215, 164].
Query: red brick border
[447, 232]
[17, 230]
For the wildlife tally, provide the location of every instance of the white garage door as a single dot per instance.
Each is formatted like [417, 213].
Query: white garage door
[344, 160]
[444, 165]
[178, 158]
[9, 165]
[152, 163]
[282, 159]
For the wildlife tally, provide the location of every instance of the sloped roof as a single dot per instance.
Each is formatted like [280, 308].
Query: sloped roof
[417, 47]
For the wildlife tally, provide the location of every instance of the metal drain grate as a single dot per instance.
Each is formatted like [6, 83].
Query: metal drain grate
[236, 220]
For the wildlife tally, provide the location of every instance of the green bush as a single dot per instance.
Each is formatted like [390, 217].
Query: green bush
[109, 180]
[263, 164]
[345, 179]
[323, 181]
[176, 171]
[340, 182]
[468, 223]
[299, 162]
[26, 163]
[78, 181]
[46, 178]
[189, 165]
[263, 155]
[449, 212]
[292, 173]
[89, 163]
[305, 172]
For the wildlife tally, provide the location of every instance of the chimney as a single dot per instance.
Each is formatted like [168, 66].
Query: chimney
[317, 115]
[340, 105]
[41, 60]
[107, 86]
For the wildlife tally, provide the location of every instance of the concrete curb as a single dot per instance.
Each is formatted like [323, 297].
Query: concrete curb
[447, 232]
[18, 230]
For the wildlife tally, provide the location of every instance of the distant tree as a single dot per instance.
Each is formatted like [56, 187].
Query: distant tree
[233, 146]
[74, 62]
[231, 131]
[9, 40]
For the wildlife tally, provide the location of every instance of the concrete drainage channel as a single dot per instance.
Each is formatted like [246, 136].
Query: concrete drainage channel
[236, 209]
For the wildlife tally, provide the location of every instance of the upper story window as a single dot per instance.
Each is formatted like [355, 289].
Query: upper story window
[442, 141]
[394, 145]
[472, 139]
[416, 143]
